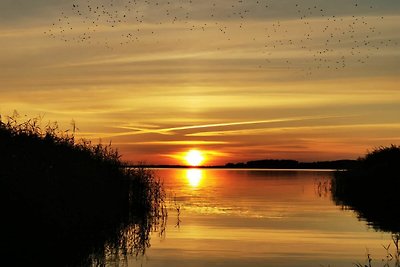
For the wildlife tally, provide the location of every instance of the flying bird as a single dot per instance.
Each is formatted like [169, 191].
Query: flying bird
[328, 39]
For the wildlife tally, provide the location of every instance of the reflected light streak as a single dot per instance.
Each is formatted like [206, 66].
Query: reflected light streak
[194, 177]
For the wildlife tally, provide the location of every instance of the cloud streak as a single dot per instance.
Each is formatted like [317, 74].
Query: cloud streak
[172, 130]
[286, 129]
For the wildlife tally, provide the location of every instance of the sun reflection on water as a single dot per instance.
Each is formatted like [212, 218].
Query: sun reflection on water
[194, 177]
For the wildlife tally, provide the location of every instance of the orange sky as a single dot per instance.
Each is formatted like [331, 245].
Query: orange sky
[239, 81]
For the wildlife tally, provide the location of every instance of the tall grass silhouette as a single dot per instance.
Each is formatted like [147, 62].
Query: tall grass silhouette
[71, 203]
[391, 259]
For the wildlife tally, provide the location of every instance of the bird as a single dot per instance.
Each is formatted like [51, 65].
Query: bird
[328, 38]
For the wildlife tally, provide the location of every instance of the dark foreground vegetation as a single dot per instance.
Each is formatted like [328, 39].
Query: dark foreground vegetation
[69, 203]
[371, 188]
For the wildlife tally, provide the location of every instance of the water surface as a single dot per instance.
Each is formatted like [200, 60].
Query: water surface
[257, 218]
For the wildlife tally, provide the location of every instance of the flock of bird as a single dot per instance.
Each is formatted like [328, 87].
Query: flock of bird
[327, 40]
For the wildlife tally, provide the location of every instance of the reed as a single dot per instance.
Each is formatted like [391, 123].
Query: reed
[68, 202]
[391, 258]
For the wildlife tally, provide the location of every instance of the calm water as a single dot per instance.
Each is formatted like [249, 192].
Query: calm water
[257, 218]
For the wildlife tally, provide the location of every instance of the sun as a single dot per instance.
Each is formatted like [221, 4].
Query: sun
[194, 157]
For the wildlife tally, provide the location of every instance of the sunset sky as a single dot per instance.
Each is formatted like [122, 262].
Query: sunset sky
[237, 79]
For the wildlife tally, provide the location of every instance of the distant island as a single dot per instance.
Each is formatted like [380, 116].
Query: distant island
[343, 164]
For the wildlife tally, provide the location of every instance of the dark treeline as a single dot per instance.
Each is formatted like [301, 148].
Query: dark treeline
[272, 164]
[68, 203]
[371, 188]
[293, 164]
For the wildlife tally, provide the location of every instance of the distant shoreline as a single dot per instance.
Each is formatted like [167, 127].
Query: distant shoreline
[264, 165]
[224, 168]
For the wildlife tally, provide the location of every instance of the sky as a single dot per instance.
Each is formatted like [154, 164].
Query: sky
[237, 79]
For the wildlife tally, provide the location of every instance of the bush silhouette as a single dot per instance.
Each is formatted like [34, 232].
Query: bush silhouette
[371, 188]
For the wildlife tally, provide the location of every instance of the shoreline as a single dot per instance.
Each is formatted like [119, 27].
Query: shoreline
[227, 168]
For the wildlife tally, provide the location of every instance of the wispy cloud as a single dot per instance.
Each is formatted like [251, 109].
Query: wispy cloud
[286, 129]
[176, 143]
[172, 130]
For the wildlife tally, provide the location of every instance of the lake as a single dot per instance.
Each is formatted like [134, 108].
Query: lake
[257, 218]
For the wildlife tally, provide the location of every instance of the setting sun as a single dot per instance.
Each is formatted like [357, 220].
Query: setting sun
[194, 157]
